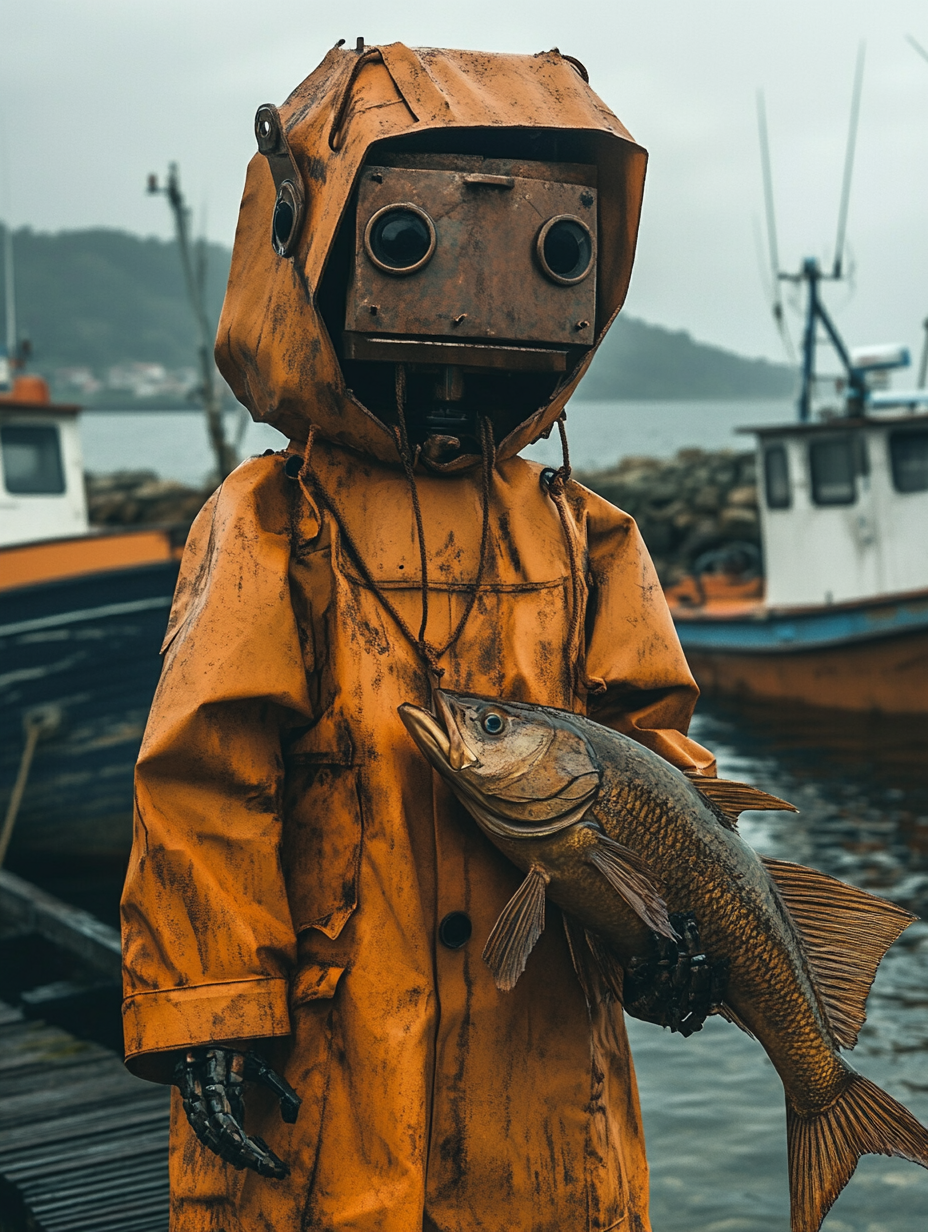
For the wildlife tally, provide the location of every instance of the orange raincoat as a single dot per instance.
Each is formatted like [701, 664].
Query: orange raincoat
[294, 855]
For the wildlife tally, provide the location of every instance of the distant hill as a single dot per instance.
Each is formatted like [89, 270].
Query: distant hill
[104, 299]
[641, 361]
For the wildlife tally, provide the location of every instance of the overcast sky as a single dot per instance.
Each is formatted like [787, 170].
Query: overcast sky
[94, 94]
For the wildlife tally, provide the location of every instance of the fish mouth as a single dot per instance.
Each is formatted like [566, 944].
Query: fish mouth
[438, 736]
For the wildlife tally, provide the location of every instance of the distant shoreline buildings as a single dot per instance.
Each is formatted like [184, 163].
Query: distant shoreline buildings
[129, 381]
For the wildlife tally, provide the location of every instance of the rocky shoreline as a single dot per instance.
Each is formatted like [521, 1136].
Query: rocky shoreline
[140, 498]
[697, 508]
[691, 509]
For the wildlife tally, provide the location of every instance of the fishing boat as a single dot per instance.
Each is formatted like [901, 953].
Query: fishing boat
[841, 617]
[82, 614]
[838, 618]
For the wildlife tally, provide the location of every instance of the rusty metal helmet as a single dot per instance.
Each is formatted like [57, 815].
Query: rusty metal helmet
[345, 262]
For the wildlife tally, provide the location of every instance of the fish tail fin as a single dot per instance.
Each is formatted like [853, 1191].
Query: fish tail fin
[824, 1149]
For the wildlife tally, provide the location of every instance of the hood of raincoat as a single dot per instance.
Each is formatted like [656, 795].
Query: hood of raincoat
[273, 346]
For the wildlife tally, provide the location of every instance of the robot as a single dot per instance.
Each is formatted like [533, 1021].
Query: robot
[431, 245]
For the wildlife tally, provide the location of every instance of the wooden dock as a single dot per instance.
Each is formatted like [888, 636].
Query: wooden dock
[83, 1144]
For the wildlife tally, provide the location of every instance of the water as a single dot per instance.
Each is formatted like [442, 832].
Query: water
[602, 432]
[174, 443]
[713, 1105]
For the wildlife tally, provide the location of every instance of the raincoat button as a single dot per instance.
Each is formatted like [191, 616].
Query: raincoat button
[455, 930]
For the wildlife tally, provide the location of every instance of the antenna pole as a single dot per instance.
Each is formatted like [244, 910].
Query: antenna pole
[923, 362]
[917, 46]
[9, 287]
[811, 274]
[849, 162]
[772, 247]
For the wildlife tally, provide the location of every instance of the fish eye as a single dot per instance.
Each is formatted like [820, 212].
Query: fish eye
[492, 723]
[400, 239]
[565, 249]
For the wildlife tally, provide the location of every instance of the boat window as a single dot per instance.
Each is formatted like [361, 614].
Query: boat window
[831, 462]
[776, 477]
[908, 452]
[31, 460]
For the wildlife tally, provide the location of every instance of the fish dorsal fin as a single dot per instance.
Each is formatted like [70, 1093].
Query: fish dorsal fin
[846, 932]
[732, 798]
[631, 877]
[521, 923]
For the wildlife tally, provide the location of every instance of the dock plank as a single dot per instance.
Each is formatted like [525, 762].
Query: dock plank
[84, 1142]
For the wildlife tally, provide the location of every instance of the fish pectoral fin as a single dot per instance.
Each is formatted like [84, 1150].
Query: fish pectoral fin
[733, 798]
[725, 1011]
[599, 971]
[846, 932]
[824, 1149]
[631, 878]
[521, 923]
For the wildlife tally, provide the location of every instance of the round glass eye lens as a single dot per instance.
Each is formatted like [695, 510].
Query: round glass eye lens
[283, 221]
[400, 239]
[493, 724]
[567, 249]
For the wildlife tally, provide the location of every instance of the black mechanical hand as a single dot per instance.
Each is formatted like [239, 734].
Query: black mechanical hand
[680, 988]
[211, 1081]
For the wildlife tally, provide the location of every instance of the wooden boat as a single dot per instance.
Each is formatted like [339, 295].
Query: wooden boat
[82, 613]
[842, 621]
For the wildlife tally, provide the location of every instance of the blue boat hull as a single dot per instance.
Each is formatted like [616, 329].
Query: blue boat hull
[870, 656]
[88, 644]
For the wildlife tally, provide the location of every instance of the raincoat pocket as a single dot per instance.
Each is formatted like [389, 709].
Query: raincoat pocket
[314, 982]
[322, 845]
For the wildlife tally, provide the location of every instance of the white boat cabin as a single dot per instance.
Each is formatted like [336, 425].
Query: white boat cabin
[41, 468]
[844, 508]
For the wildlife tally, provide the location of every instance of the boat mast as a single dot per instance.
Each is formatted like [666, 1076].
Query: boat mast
[816, 312]
[210, 395]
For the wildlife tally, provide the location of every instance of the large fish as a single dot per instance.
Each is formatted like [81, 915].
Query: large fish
[621, 840]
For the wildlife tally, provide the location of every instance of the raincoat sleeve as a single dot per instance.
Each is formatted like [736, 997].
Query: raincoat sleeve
[638, 679]
[208, 940]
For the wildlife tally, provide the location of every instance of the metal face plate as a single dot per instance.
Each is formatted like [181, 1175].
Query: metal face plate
[484, 280]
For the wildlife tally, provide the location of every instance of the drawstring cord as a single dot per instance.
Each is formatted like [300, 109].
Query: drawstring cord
[409, 471]
[430, 653]
[557, 481]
